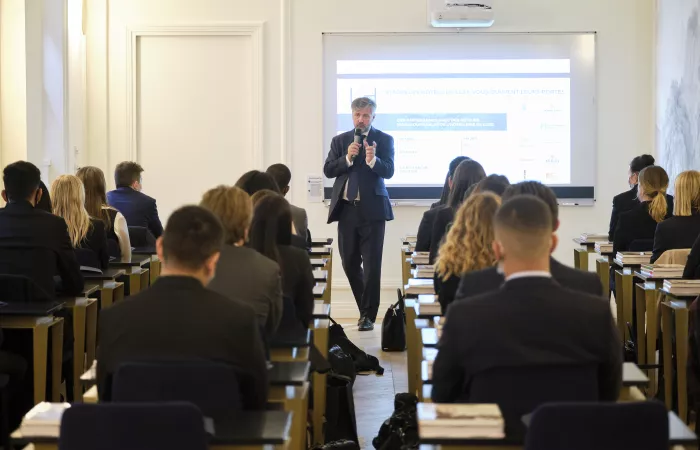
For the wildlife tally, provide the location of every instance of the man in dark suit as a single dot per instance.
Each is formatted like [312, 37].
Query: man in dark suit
[282, 176]
[486, 280]
[360, 204]
[531, 321]
[33, 242]
[178, 318]
[138, 209]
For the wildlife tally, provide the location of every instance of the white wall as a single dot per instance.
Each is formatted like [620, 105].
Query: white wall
[292, 106]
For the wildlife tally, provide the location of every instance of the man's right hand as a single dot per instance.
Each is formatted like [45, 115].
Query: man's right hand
[353, 151]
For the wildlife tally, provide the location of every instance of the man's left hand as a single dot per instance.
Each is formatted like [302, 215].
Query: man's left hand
[370, 151]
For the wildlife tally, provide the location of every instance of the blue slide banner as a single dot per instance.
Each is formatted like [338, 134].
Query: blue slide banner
[433, 122]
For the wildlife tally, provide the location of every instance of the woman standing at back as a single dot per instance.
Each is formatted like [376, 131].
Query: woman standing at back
[681, 230]
[467, 246]
[118, 241]
[86, 234]
[639, 223]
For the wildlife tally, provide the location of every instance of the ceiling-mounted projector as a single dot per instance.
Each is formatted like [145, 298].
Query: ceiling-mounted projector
[448, 13]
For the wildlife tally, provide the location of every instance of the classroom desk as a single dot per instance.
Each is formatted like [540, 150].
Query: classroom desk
[413, 345]
[405, 266]
[602, 268]
[249, 430]
[320, 276]
[320, 328]
[84, 312]
[318, 263]
[321, 242]
[674, 323]
[38, 317]
[137, 275]
[679, 434]
[581, 253]
[321, 310]
[624, 296]
[290, 349]
[111, 290]
[319, 290]
[154, 265]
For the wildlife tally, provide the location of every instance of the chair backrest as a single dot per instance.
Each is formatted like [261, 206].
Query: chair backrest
[599, 426]
[163, 426]
[141, 237]
[213, 387]
[36, 263]
[677, 256]
[21, 289]
[641, 245]
[519, 390]
[87, 257]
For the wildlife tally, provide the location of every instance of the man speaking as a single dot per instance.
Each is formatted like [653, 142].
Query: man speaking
[360, 160]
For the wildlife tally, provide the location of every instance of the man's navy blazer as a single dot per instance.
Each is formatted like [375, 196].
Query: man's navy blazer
[374, 198]
[138, 209]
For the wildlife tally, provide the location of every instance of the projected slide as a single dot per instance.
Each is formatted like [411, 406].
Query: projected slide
[513, 116]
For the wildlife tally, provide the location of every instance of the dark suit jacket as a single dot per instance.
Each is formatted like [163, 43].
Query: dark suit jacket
[634, 225]
[374, 198]
[622, 203]
[35, 243]
[96, 242]
[675, 233]
[446, 290]
[487, 280]
[179, 319]
[527, 322]
[298, 281]
[300, 220]
[425, 229]
[138, 209]
[692, 266]
[443, 219]
[245, 275]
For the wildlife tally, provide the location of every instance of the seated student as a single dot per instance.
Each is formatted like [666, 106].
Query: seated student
[44, 203]
[629, 199]
[242, 273]
[297, 240]
[492, 183]
[486, 280]
[271, 234]
[680, 230]
[639, 223]
[87, 234]
[282, 176]
[254, 181]
[139, 209]
[445, 194]
[27, 232]
[530, 321]
[692, 266]
[96, 205]
[178, 318]
[468, 245]
[426, 223]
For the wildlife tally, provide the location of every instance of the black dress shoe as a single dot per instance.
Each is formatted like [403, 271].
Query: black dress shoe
[366, 325]
[359, 321]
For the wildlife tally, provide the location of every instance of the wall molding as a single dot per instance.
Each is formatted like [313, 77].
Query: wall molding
[252, 29]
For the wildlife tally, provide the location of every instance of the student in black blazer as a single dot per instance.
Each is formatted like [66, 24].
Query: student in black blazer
[692, 266]
[86, 233]
[487, 280]
[271, 232]
[179, 319]
[468, 246]
[682, 229]
[628, 199]
[139, 209]
[526, 323]
[639, 224]
[33, 242]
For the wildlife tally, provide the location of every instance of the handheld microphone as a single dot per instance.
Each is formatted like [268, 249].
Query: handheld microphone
[358, 140]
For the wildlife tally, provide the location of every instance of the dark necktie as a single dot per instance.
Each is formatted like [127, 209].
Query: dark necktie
[354, 177]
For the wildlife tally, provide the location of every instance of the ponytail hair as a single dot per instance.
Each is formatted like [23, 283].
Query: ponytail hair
[653, 182]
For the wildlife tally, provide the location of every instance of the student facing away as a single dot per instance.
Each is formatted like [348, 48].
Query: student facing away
[139, 209]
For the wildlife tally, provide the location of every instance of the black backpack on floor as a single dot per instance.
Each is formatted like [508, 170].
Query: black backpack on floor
[363, 361]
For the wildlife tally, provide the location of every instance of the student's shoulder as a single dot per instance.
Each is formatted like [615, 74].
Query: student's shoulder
[626, 196]
[490, 274]
[229, 306]
[585, 303]
[258, 260]
[474, 304]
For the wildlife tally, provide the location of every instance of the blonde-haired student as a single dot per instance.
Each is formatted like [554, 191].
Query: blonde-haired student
[681, 230]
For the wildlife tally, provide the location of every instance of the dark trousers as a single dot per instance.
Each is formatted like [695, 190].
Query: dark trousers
[361, 244]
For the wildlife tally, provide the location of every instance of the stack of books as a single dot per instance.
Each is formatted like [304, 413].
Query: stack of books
[423, 272]
[429, 309]
[594, 237]
[43, 420]
[662, 270]
[469, 421]
[417, 286]
[603, 247]
[684, 288]
[411, 239]
[420, 258]
[633, 258]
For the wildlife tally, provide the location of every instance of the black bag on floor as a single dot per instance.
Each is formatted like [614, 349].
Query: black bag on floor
[341, 363]
[394, 327]
[363, 361]
[340, 410]
[400, 431]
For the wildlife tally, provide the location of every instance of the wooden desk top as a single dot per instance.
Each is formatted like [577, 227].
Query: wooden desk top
[280, 342]
[633, 376]
[294, 373]
[150, 251]
[321, 275]
[243, 429]
[684, 297]
[321, 242]
[321, 310]
[319, 290]
[110, 274]
[317, 263]
[33, 309]
[430, 337]
[643, 277]
[580, 241]
[135, 261]
[320, 251]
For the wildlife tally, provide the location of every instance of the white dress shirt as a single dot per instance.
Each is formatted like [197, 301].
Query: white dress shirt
[350, 163]
[530, 274]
